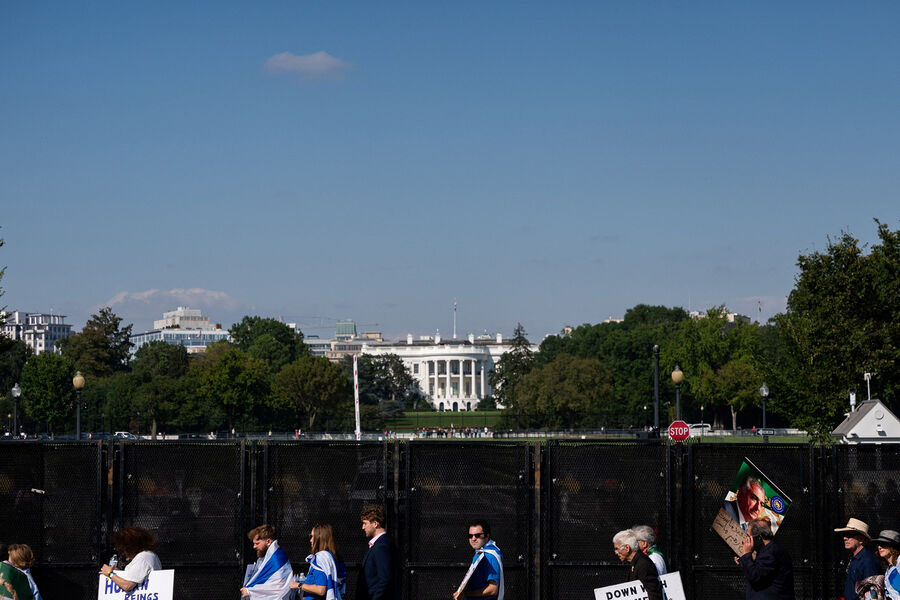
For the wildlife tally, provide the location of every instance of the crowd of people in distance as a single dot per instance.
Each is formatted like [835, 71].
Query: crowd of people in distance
[453, 432]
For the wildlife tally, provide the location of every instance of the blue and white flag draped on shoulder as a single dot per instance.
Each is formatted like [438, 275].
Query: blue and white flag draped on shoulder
[336, 576]
[494, 550]
[272, 578]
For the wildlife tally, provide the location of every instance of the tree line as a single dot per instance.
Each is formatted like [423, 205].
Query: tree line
[842, 320]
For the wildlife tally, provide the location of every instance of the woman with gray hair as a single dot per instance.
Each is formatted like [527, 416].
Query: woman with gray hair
[625, 545]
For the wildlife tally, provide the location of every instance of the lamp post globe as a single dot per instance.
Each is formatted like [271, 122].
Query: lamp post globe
[78, 383]
[677, 377]
[764, 392]
[16, 392]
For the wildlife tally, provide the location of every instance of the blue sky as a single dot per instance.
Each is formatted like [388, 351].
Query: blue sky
[543, 163]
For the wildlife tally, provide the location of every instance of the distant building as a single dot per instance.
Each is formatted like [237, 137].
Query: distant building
[185, 327]
[733, 319]
[871, 423]
[346, 341]
[39, 331]
[182, 318]
[453, 374]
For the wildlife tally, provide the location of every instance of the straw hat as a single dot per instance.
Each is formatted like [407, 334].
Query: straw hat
[855, 526]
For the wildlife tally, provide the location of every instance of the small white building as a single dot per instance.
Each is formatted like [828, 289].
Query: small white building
[871, 423]
[453, 374]
[183, 318]
[39, 331]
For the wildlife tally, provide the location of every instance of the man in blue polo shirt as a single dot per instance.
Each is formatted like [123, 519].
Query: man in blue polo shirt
[485, 579]
[862, 562]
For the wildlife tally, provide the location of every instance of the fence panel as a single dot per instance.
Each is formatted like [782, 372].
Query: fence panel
[450, 483]
[593, 490]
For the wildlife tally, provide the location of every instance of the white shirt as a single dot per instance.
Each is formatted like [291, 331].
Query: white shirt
[140, 566]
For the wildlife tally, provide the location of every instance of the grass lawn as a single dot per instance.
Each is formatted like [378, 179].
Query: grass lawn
[412, 420]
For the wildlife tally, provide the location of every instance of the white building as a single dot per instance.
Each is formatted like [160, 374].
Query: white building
[39, 331]
[453, 374]
[871, 423]
[183, 318]
[185, 327]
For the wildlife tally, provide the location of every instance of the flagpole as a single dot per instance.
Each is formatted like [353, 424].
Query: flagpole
[356, 395]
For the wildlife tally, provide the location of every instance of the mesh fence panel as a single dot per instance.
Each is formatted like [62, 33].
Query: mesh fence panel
[72, 474]
[313, 483]
[571, 582]
[22, 471]
[188, 496]
[452, 483]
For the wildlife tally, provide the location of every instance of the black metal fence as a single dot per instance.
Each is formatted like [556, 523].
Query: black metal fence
[553, 506]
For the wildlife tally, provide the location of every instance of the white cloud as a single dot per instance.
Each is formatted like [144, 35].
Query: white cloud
[315, 65]
[143, 307]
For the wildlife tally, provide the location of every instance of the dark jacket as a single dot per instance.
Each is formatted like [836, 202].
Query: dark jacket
[378, 571]
[643, 569]
[862, 564]
[770, 576]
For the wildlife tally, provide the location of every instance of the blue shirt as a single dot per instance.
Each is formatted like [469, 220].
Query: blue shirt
[862, 564]
[317, 577]
[488, 570]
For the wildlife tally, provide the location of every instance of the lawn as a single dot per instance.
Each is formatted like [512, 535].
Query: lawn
[413, 420]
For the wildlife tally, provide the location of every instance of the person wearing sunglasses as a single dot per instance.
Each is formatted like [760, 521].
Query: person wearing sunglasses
[485, 576]
[888, 543]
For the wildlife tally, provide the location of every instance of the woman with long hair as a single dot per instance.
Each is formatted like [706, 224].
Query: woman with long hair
[888, 543]
[327, 575]
[137, 546]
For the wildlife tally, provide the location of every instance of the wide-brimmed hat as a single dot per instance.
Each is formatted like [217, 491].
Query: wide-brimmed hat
[888, 537]
[855, 526]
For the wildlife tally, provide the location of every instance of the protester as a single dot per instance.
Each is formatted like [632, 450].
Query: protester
[888, 543]
[21, 557]
[486, 578]
[862, 562]
[770, 575]
[327, 574]
[270, 577]
[137, 546]
[647, 542]
[626, 548]
[377, 572]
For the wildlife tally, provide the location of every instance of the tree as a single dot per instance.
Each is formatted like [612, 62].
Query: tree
[382, 378]
[509, 371]
[842, 320]
[312, 386]
[158, 368]
[102, 348]
[268, 340]
[47, 391]
[234, 383]
[568, 392]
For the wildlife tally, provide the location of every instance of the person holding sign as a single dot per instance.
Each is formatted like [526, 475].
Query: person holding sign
[484, 578]
[137, 546]
[770, 576]
[270, 578]
[626, 547]
[327, 575]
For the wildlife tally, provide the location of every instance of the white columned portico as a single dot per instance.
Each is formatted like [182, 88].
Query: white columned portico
[483, 393]
[472, 373]
[462, 385]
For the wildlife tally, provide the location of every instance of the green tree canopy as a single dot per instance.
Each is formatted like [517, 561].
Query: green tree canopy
[235, 383]
[568, 392]
[47, 391]
[268, 340]
[842, 320]
[312, 387]
[102, 348]
[509, 371]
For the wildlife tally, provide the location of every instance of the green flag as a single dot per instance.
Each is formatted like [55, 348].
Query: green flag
[14, 583]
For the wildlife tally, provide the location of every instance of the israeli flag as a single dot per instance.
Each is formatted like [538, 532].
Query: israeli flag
[272, 580]
[494, 550]
[337, 576]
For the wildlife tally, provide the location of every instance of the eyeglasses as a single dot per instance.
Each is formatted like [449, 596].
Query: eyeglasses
[474, 535]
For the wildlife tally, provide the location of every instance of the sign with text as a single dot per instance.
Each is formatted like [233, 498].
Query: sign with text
[679, 431]
[634, 590]
[158, 586]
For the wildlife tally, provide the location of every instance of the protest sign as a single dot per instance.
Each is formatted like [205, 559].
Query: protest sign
[634, 590]
[13, 583]
[158, 586]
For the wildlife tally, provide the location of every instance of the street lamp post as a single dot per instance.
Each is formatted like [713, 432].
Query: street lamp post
[764, 392]
[656, 386]
[16, 392]
[677, 377]
[78, 382]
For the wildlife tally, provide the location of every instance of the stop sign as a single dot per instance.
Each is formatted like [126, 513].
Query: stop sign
[679, 431]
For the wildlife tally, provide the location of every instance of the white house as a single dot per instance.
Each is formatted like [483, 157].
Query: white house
[452, 373]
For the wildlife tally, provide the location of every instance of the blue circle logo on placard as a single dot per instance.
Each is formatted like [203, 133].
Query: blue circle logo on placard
[777, 505]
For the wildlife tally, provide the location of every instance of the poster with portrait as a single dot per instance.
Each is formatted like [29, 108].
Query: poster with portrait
[752, 495]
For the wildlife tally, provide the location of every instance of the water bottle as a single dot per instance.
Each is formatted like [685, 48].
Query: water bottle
[113, 562]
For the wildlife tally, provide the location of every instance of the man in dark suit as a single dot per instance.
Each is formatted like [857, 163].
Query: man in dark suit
[378, 571]
[626, 547]
[770, 576]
